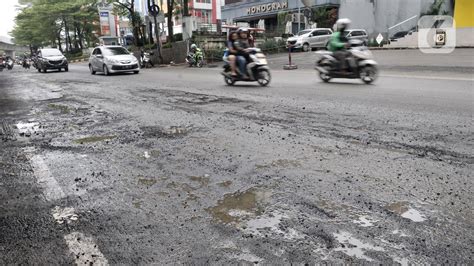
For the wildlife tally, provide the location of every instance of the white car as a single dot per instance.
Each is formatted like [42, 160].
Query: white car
[311, 38]
[113, 59]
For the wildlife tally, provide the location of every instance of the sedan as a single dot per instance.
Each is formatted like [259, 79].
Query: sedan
[112, 59]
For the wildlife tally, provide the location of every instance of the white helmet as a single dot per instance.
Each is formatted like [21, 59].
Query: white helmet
[193, 46]
[342, 24]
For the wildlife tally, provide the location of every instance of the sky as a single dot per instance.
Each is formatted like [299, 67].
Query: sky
[7, 16]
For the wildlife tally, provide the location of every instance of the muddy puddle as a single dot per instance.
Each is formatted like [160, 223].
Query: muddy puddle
[63, 109]
[404, 209]
[169, 132]
[239, 206]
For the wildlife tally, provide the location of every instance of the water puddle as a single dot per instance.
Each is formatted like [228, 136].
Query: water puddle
[365, 221]
[404, 209]
[27, 129]
[148, 182]
[354, 247]
[170, 132]
[64, 215]
[93, 139]
[239, 206]
[414, 215]
[225, 183]
[62, 108]
[270, 223]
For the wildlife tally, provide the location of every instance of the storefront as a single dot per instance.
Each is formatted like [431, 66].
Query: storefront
[266, 12]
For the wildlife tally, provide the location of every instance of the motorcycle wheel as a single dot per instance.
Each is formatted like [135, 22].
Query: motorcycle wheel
[229, 80]
[368, 74]
[325, 76]
[264, 77]
[200, 63]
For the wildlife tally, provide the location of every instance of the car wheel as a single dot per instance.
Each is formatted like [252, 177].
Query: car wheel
[39, 69]
[305, 47]
[92, 70]
[136, 72]
[106, 71]
[66, 69]
[44, 70]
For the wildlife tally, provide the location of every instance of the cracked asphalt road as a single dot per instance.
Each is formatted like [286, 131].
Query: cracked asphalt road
[173, 167]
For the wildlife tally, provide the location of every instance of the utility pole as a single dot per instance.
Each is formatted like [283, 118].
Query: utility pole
[154, 10]
[299, 15]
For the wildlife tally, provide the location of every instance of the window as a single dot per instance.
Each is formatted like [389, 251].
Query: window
[203, 16]
[115, 51]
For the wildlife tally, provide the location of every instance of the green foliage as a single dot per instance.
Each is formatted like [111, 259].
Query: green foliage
[56, 22]
[178, 37]
[282, 19]
[273, 46]
[435, 9]
[324, 17]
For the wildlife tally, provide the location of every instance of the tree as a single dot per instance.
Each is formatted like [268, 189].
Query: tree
[127, 8]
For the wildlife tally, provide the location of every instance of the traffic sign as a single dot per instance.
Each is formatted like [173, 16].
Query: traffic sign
[379, 38]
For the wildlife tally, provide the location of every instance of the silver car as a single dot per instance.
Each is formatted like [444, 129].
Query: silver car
[357, 34]
[113, 59]
[311, 38]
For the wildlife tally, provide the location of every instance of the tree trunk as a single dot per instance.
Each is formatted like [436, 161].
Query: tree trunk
[170, 4]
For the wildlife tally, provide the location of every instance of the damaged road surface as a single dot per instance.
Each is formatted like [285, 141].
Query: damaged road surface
[172, 167]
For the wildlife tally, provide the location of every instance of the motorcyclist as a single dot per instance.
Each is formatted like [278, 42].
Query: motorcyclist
[339, 43]
[242, 46]
[195, 51]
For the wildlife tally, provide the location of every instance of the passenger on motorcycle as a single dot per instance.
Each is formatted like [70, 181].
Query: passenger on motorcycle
[242, 46]
[231, 52]
[339, 43]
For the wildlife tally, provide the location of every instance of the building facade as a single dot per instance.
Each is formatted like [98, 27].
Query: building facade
[375, 16]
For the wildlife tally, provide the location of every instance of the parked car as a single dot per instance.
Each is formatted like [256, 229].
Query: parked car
[357, 34]
[51, 58]
[112, 59]
[311, 38]
[398, 35]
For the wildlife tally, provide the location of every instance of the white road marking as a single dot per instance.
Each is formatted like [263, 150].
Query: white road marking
[62, 215]
[84, 249]
[51, 189]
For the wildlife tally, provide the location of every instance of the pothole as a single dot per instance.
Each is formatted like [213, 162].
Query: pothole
[169, 132]
[404, 209]
[240, 206]
[93, 139]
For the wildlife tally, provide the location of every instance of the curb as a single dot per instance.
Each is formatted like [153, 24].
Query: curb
[410, 48]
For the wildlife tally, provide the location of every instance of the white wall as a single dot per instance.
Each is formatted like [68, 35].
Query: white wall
[376, 16]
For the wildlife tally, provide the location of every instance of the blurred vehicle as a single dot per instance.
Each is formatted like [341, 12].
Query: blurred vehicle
[361, 64]
[112, 59]
[2, 63]
[195, 59]
[10, 63]
[309, 39]
[257, 70]
[51, 58]
[26, 63]
[357, 34]
[146, 60]
[398, 35]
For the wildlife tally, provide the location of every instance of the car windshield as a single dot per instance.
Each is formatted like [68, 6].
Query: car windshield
[115, 51]
[345, 33]
[53, 52]
[303, 32]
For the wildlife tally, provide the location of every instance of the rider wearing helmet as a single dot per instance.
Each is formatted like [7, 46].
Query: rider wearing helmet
[338, 42]
[242, 53]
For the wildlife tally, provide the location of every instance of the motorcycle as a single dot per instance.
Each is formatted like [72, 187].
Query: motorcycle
[257, 70]
[2, 64]
[146, 60]
[195, 59]
[10, 64]
[26, 63]
[361, 64]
